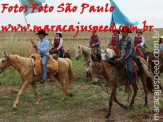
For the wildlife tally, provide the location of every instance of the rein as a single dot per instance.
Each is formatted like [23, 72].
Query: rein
[100, 76]
[12, 71]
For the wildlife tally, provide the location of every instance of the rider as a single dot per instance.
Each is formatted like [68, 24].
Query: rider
[139, 43]
[114, 41]
[43, 50]
[57, 43]
[95, 41]
[127, 50]
[161, 44]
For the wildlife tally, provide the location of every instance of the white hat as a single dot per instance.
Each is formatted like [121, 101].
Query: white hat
[59, 32]
[161, 37]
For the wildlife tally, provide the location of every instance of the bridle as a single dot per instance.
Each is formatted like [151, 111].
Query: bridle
[100, 70]
[5, 65]
[100, 76]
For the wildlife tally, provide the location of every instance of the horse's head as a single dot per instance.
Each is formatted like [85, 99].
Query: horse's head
[103, 55]
[97, 70]
[109, 53]
[78, 53]
[4, 63]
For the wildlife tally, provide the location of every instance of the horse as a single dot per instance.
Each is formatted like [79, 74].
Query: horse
[116, 77]
[57, 53]
[86, 52]
[67, 54]
[25, 67]
[107, 54]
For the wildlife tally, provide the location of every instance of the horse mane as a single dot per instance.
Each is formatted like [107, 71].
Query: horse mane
[22, 60]
[85, 50]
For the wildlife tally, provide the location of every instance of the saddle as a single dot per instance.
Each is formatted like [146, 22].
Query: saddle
[52, 65]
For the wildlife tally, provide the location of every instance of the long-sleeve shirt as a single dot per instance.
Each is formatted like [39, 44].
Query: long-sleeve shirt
[43, 47]
[126, 47]
[110, 40]
[98, 43]
[60, 44]
[161, 47]
[143, 40]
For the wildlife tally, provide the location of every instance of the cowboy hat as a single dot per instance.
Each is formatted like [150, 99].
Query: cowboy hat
[115, 30]
[139, 31]
[41, 32]
[126, 30]
[59, 32]
[161, 37]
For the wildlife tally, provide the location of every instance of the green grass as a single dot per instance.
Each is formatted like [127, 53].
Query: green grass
[86, 99]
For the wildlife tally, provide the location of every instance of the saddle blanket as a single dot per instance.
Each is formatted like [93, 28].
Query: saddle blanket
[52, 64]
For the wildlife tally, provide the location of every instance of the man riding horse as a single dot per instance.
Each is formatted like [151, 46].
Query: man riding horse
[114, 42]
[126, 54]
[95, 42]
[43, 50]
[139, 44]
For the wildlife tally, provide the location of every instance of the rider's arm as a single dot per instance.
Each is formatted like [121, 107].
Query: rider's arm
[44, 48]
[90, 42]
[110, 40]
[60, 44]
[52, 42]
[143, 42]
[99, 40]
[129, 49]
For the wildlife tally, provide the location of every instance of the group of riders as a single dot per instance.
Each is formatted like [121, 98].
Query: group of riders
[123, 45]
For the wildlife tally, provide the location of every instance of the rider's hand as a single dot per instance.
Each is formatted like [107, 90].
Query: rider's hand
[93, 45]
[34, 45]
[118, 59]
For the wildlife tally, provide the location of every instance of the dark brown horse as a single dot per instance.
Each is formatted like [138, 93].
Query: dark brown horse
[65, 55]
[115, 77]
[151, 58]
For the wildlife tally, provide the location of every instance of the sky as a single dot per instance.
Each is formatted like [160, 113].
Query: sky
[135, 10]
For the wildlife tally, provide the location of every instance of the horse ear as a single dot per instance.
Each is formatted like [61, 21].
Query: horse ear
[78, 47]
[105, 51]
[5, 53]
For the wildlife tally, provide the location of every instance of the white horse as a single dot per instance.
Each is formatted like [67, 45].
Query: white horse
[86, 53]
[107, 54]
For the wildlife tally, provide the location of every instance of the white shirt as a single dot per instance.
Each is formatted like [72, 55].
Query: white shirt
[110, 40]
[143, 40]
[60, 44]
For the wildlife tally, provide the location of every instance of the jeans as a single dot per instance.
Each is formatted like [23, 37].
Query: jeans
[98, 50]
[143, 50]
[130, 69]
[44, 69]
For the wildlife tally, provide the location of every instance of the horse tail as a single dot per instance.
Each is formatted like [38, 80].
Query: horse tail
[70, 71]
[141, 71]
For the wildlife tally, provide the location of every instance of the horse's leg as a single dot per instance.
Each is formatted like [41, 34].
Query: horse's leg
[120, 104]
[135, 87]
[64, 86]
[23, 88]
[113, 92]
[36, 93]
[143, 79]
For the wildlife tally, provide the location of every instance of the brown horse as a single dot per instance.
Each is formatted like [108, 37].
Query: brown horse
[25, 67]
[65, 55]
[115, 77]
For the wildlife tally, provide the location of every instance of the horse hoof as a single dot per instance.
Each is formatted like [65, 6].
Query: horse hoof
[146, 105]
[37, 103]
[125, 107]
[71, 95]
[107, 116]
[14, 106]
[130, 107]
[60, 100]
